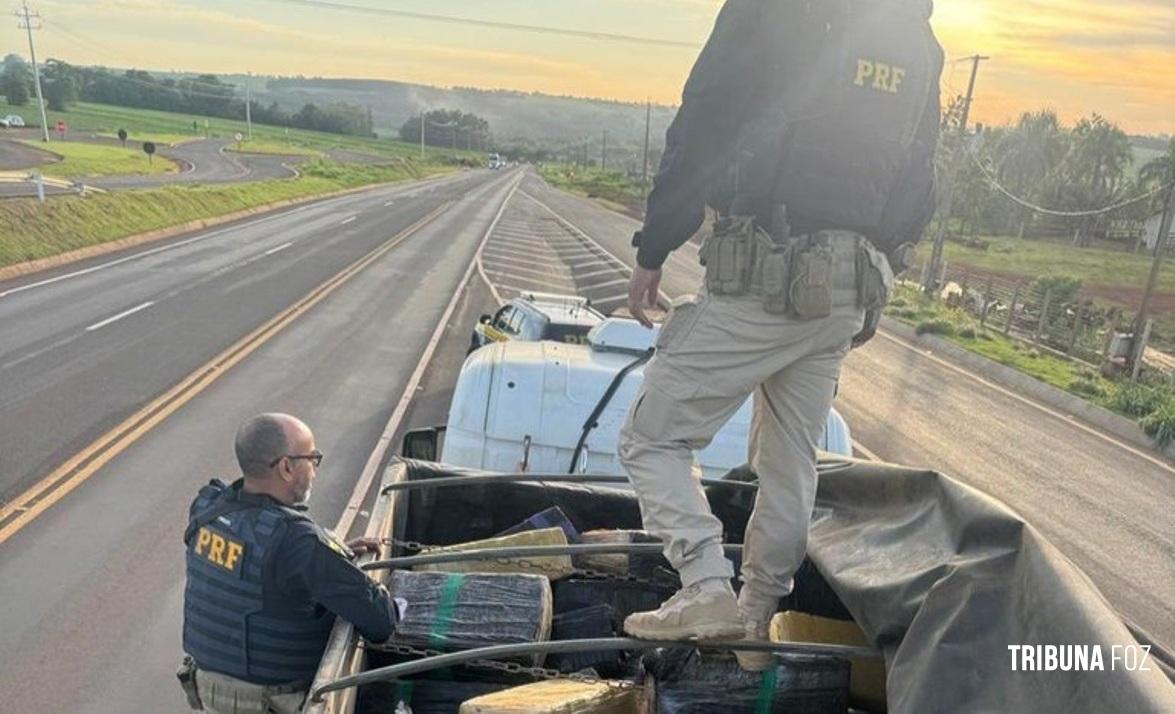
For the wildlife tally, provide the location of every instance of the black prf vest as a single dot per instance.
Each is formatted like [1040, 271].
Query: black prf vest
[228, 627]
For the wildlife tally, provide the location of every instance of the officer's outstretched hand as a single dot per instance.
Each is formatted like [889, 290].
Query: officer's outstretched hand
[359, 546]
[643, 289]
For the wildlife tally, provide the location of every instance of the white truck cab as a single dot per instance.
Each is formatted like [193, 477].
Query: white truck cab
[523, 405]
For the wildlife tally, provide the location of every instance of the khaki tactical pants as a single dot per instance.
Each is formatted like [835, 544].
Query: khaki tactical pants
[222, 694]
[711, 354]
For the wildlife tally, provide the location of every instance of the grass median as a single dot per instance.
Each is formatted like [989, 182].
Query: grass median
[86, 160]
[1151, 402]
[611, 188]
[30, 230]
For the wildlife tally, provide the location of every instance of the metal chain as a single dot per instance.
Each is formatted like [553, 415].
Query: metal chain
[505, 667]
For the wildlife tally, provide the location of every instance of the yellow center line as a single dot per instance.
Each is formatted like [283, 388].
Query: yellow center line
[50, 489]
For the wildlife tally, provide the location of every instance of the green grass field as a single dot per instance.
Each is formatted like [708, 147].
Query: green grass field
[610, 187]
[1152, 402]
[29, 230]
[273, 147]
[164, 127]
[84, 160]
[1031, 259]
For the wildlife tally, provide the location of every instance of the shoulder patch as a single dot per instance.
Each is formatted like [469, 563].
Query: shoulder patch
[332, 541]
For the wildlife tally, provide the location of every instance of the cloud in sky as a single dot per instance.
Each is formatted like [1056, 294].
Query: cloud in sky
[1072, 55]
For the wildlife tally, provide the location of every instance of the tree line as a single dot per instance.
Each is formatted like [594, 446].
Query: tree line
[205, 95]
[1084, 167]
[449, 128]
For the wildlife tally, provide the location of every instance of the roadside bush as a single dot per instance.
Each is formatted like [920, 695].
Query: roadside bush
[1160, 424]
[898, 302]
[1034, 353]
[968, 333]
[1087, 387]
[1138, 400]
[905, 313]
[1003, 248]
[935, 327]
[1063, 289]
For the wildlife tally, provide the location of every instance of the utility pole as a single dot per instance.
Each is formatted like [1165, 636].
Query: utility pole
[949, 198]
[26, 18]
[645, 160]
[1152, 279]
[248, 108]
[604, 152]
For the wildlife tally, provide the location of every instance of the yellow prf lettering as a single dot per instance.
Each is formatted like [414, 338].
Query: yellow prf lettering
[216, 552]
[881, 78]
[898, 75]
[864, 69]
[234, 552]
[202, 540]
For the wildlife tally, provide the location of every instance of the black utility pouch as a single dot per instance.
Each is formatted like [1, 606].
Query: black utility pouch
[874, 278]
[186, 674]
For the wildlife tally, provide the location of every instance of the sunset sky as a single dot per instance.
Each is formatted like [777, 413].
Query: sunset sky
[1075, 56]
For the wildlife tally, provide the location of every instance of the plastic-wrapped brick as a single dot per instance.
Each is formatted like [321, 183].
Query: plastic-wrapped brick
[687, 682]
[623, 597]
[557, 697]
[552, 517]
[618, 563]
[421, 696]
[551, 566]
[466, 610]
[584, 624]
[867, 685]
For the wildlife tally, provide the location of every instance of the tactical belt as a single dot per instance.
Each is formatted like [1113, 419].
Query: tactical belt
[802, 276]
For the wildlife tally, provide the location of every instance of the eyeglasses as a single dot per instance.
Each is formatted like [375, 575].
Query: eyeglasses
[314, 457]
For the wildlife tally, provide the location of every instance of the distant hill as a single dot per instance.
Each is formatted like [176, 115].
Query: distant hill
[516, 118]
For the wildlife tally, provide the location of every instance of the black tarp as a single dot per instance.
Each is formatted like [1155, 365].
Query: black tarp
[940, 576]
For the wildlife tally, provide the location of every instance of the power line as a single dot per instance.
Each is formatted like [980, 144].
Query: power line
[455, 20]
[991, 179]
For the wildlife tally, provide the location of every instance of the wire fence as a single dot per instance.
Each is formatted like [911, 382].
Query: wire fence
[1058, 319]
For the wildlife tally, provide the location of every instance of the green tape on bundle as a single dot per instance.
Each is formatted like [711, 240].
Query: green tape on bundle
[767, 690]
[404, 692]
[445, 605]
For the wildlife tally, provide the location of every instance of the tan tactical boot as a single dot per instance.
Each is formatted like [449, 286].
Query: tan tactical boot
[694, 612]
[759, 631]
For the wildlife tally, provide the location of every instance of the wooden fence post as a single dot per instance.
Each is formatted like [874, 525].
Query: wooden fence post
[1012, 310]
[986, 304]
[1076, 328]
[1044, 316]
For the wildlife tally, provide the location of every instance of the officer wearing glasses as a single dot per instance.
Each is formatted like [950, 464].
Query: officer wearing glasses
[264, 582]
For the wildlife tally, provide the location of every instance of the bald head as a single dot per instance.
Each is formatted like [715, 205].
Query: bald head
[265, 438]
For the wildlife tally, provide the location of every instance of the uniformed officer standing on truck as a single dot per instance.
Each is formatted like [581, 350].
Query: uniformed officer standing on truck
[264, 582]
[810, 128]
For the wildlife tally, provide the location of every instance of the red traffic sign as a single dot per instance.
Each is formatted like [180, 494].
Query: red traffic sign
[60, 127]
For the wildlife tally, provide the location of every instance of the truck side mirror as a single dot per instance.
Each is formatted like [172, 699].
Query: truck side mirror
[421, 444]
[485, 319]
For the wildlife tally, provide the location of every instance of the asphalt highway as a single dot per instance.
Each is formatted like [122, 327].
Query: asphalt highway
[92, 587]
